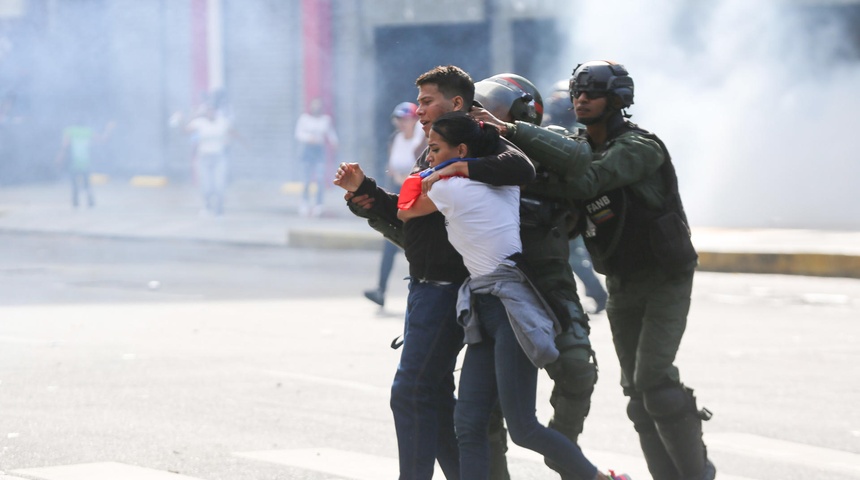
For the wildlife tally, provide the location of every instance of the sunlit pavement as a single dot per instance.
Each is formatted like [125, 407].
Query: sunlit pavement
[308, 399]
[262, 214]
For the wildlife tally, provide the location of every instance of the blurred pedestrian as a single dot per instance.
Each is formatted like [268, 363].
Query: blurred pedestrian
[406, 144]
[213, 132]
[76, 156]
[583, 268]
[314, 131]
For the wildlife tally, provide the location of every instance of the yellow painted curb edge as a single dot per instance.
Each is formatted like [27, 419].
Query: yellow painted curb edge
[148, 181]
[813, 264]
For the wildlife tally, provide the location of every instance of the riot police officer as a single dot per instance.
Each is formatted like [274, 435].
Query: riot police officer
[547, 215]
[558, 111]
[636, 231]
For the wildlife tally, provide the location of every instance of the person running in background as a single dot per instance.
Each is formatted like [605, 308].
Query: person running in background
[214, 132]
[76, 155]
[407, 143]
[314, 131]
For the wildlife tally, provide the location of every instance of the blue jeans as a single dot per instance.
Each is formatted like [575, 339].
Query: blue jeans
[497, 368]
[389, 250]
[422, 395]
[313, 164]
[213, 181]
[580, 261]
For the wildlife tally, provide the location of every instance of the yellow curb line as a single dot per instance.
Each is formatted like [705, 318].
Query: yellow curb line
[98, 179]
[148, 181]
[296, 188]
[813, 264]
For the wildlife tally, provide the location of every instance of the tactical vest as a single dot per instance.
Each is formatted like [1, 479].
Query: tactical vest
[624, 236]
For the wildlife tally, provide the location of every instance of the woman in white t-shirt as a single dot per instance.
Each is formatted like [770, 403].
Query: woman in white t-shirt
[214, 133]
[510, 330]
[314, 130]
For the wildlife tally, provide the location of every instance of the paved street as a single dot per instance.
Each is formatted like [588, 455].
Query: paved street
[266, 363]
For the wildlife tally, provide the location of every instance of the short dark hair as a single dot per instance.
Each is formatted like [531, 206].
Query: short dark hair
[452, 81]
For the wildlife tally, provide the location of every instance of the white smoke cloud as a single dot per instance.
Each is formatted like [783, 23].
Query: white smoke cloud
[755, 101]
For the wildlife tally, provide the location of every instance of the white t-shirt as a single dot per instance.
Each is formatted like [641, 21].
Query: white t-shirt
[483, 221]
[212, 134]
[315, 129]
[403, 155]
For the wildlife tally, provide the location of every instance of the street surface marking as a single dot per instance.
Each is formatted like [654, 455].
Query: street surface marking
[363, 387]
[783, 451]
[353, 465]
[100, 471]
[632, 465]
[361, 466]
[621, 463]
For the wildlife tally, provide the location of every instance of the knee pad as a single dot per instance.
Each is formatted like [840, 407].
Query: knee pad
[569, 312]
[669, 402]
[573, 375]
[638, 415]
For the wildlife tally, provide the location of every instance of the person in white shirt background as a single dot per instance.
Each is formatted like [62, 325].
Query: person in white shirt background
[314, 130]
[213, 131]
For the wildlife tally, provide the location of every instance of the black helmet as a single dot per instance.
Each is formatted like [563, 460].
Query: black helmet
[600, 76]
[509, 93]
[558, 109]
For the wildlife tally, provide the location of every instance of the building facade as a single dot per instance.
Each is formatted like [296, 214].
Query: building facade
[139, 62]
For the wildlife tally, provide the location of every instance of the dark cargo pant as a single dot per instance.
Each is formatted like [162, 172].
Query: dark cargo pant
[648, 316]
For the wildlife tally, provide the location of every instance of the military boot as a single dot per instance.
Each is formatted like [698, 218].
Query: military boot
[682, 437]
[659, 462]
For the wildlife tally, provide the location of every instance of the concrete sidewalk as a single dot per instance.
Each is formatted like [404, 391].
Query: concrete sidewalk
[265, 214]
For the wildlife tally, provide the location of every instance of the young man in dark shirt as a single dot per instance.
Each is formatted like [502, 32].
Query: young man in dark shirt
[422, 394]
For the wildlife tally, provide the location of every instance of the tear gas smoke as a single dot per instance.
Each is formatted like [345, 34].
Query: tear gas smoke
[755, 101]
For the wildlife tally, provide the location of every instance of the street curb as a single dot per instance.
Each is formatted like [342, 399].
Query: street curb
[143, 239]
[811, 264]
[148, 181]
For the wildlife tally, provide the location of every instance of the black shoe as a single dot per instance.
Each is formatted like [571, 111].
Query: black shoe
[710, 470]
[600, 302]
[375, 296]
